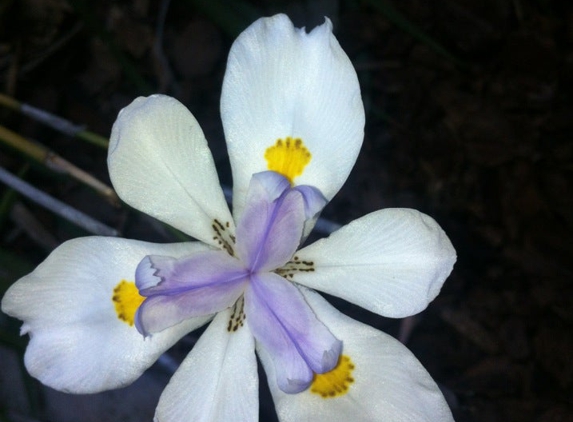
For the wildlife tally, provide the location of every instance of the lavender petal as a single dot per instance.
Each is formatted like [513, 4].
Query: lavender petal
[270, 228]
[285, 325]
[273, 183]
[178, 289]
[314, 200]
[160, 275]
[160, 312]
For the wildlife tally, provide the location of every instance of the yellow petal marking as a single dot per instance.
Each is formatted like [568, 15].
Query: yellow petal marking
[126, 299]
[336, 382]
[288, 157]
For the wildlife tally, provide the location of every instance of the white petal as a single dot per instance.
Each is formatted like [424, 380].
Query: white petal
[77, 342]
[217, 381]
[282, 82]
[389, 382]
[392, 262]
[159, 163]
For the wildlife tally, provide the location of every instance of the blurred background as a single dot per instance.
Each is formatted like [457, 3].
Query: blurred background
[468, 118]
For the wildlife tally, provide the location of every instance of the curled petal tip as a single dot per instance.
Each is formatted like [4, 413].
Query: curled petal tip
[146, 274]
[294, 386]
[139, 324]
[274, 184]
[314, 200]
[330, 357]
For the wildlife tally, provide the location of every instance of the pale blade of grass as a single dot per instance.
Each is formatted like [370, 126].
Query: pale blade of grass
[63, 210]
[54, 162]
[55, 122]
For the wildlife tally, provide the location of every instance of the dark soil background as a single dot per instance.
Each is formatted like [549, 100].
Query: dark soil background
[481, 141]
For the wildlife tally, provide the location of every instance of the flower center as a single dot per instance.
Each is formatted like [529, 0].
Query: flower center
[288, 157]
[126, 299]
[335, 382]
[248, 276]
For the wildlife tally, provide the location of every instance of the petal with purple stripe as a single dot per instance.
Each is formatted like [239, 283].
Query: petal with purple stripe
[177, 289]
[286, 327]
[270, 229]
[157, 274]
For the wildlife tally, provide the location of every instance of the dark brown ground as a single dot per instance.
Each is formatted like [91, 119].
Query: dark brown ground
[483, 146]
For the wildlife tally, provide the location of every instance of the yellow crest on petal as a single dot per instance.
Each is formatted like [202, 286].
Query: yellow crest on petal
[126, 299]
[335, 382]
[288, 157]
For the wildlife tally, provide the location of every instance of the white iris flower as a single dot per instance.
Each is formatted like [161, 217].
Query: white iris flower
[100, 311]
